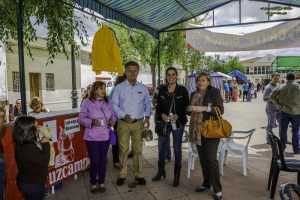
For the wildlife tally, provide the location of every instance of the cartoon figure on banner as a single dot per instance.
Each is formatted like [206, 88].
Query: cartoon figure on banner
[65, 148]
[46, 132]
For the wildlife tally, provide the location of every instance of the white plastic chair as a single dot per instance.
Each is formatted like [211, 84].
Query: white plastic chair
[193, 153]
[231, 145]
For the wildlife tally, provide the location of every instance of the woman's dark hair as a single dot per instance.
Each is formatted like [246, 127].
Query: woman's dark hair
[95, 86]
[24, 130]
[120, 79]
[169, 69]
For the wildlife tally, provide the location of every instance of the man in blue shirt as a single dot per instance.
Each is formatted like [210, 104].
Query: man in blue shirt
[132, 105]
[245, 90]
[227, 91]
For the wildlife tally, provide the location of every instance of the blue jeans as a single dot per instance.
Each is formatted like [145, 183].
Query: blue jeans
[177, 145]
[295, 121]
[168, 149]
[2, 177]
[273, 113]
[32, 191]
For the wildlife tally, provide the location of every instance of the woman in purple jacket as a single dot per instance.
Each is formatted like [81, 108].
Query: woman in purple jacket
[97, 116]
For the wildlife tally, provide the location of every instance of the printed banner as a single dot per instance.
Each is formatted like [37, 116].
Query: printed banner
[284, 35]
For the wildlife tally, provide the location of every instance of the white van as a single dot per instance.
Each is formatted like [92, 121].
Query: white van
[109, 86]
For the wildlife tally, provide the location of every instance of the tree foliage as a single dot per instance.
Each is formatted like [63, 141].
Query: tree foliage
[218, 65]
[57, 16]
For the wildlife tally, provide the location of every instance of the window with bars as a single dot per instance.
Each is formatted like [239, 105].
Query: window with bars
[50, 81]
[16, 81]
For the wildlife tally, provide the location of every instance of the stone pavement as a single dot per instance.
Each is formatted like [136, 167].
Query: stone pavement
[243, 116]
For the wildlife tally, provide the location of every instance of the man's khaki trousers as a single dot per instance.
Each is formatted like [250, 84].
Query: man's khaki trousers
[125, 131]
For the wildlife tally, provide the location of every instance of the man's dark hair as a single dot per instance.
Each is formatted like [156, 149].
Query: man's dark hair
[24, 130]
[290, 76]
[275, 74]
[132, 63]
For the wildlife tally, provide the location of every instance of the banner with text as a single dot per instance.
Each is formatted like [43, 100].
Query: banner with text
[284, 35]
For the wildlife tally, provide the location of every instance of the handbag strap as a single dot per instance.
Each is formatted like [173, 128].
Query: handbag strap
[104, 116]
[217, 111]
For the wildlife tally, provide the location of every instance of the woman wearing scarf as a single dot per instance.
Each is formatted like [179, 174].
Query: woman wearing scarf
[202, 102]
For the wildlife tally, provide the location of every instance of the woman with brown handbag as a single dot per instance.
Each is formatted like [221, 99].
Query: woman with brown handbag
[201, 107]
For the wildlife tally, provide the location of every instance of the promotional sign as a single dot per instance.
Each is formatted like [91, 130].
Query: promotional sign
[71, 154]
[285, 35]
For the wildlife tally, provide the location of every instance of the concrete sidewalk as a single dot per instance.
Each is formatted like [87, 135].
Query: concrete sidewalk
[243, 116]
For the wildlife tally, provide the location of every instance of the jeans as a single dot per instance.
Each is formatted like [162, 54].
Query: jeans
[168, 149]
[177, 145]
[32, 191]
[295, 121]
[273, 113]
[2, 177]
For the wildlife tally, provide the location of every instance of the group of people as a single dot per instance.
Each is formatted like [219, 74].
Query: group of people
[283, 105]
[231, 90]
[129, 110]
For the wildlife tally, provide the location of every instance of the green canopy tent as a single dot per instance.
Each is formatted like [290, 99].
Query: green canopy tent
[285, 64]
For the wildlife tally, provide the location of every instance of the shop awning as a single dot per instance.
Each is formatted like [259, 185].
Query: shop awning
[151, 15]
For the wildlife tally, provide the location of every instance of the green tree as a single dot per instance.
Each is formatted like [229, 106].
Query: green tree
[59, 17]
[233, 64]
[215, 64]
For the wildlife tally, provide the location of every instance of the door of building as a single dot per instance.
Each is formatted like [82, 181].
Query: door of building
[35, 84]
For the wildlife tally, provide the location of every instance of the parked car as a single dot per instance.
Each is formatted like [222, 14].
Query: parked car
[109, 86]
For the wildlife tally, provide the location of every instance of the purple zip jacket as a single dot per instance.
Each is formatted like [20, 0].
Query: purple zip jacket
[91, 109]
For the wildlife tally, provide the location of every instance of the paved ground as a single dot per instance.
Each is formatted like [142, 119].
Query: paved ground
[243, 116]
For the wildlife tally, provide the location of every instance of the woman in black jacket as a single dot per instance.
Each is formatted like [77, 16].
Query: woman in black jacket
[32, 156]
[172, 102]
[203, 100]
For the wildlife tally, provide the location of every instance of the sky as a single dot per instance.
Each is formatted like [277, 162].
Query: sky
[251, 12]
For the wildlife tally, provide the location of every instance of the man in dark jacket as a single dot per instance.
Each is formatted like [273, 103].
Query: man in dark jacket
[287, 96]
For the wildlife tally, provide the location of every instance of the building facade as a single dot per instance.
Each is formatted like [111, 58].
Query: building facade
[257, 69]
[50, 82]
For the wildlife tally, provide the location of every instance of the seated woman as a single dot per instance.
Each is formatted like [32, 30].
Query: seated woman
[37, 106]
[32, 156]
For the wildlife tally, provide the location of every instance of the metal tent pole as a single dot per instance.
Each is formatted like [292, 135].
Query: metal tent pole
[158, 60]
[21, 56]
[74, 89]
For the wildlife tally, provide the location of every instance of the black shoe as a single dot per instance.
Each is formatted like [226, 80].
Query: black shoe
[140, 181]
[201, 189]
[102, 189]
[120, 181]
[218, 197]
[94, 190]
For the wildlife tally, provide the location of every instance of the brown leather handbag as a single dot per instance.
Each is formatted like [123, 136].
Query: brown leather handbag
[215, 128]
